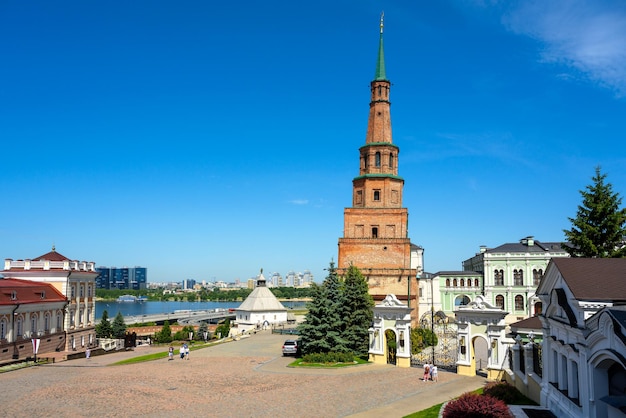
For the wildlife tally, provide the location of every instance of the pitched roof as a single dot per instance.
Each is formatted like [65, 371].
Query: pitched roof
[529, 323]
[52, 256]
[261, 299]
[597, 279]
[28, 291]
[523, 247]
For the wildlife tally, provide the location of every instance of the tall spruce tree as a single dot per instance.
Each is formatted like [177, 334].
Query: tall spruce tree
[356, 311]
[118, 327]
[104, 329]
[599, 229]
[321, 331]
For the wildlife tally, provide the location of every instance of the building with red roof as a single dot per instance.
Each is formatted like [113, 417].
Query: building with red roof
[76, 281]
[30, 310]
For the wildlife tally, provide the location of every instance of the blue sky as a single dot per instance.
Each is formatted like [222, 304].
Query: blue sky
[208, 140]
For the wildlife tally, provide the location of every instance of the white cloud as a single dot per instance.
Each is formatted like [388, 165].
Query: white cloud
[587, 35]
[299, 202]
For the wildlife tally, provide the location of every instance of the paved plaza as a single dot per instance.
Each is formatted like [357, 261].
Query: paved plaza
[245, 378]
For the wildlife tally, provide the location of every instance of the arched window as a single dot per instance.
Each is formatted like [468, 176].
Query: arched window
[454, 283]
[498, 276]
[500, 301]
[20, 329]
[519, 303]
[366, 161]
[462, 282]
[475, 282]
[46, 322]
[461, 300]
[537, 273]
[59, 319]
[3, 329]
[518, 277]
[391, 160]
[377, 159]
[447, 282]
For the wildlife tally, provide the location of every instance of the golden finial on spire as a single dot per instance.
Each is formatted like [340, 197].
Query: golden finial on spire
[382, 17]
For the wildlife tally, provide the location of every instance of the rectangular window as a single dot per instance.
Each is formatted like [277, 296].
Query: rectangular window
[376, 195]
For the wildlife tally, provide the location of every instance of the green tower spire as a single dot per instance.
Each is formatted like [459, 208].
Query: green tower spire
[380, 63]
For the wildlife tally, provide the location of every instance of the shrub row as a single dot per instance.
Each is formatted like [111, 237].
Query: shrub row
[330, 357]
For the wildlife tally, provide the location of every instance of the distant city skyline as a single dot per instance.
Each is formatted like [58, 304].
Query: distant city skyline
[210, 140]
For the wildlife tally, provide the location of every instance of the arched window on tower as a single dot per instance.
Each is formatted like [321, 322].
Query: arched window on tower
[377, 159]
[391, 160]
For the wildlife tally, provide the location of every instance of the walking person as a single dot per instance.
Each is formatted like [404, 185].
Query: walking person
[186, 351]
[433, 373]
[426, 371]
[88, 353]
[170, 352]
[182, 352]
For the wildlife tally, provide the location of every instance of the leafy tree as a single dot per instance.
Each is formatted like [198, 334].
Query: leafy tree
[357, 311]
[223, 329]
[165, 335]
[183, 334]
[599, 229]
[118, 327]
[104, 329]
[422, 338]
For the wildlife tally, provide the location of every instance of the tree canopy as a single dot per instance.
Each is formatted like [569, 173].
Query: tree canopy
[339, 315]
[599, 228]
[103, 328]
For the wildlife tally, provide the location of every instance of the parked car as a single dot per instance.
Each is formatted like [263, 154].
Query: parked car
[291, 347]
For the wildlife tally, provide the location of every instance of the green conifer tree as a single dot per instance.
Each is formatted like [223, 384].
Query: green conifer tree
[599, 229]
[321, 332]
[357, 311]
[104, 329]
[165, 335]
[118, 327]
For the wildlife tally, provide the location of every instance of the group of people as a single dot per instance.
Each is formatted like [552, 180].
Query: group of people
[184, 352]
[430, 372]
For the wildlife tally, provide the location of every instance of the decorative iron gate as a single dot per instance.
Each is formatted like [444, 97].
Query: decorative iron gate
[444, 354]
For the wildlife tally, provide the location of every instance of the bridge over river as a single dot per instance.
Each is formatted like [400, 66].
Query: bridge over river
[184, 317]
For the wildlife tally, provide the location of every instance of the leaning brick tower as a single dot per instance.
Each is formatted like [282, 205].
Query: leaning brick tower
[375, 233]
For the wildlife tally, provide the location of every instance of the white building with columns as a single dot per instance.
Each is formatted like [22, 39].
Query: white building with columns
[76, 280]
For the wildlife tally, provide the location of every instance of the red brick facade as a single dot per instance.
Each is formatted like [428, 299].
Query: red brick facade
[375, 237]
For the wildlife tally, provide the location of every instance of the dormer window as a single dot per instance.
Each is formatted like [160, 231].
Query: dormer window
[13, 295]
[43, 294]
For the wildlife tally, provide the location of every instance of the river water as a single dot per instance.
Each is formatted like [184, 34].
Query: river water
[156, 307]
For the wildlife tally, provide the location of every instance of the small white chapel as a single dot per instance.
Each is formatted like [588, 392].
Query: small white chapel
[260, 310]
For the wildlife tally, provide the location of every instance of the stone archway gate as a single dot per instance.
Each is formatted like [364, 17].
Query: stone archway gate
[479, 319]
[391, 314]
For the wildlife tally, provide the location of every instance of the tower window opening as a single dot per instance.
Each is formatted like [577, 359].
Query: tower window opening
[377, 159]
[390, 160]
[377, 195]
[374, 232]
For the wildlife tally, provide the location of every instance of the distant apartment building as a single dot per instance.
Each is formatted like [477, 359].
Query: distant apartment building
[132, 278]
[293, 279]
[188, 284]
